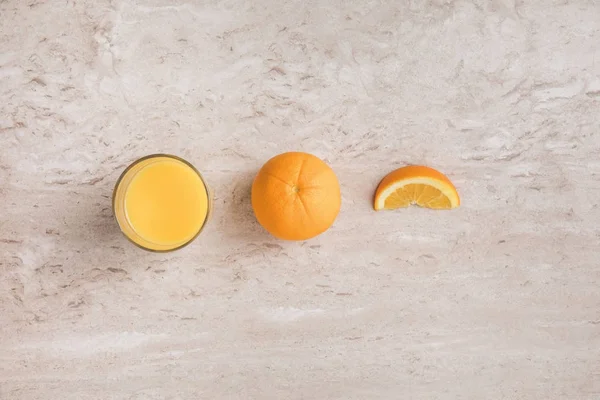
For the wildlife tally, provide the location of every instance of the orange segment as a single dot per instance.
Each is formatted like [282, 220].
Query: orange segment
[416, 185]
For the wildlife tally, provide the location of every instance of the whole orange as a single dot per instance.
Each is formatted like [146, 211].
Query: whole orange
[296, 196]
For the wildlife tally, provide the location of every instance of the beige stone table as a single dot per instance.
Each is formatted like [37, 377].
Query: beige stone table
[499, 299]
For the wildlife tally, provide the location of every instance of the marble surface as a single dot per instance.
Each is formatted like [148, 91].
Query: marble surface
[499, 299]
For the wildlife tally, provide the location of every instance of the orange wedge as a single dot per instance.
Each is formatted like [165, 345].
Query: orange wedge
[416, 185]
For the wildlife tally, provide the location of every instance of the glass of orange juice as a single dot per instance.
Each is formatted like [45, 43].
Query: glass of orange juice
[161, 202]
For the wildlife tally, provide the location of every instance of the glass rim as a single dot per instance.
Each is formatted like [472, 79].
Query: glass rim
[165, 155]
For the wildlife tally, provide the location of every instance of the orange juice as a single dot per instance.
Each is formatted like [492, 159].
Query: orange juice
[161, 202]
